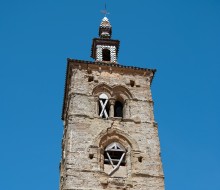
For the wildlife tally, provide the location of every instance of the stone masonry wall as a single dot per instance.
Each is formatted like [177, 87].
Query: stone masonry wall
[86, 135]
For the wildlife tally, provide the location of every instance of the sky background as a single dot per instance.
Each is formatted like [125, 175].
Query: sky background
[180, 38]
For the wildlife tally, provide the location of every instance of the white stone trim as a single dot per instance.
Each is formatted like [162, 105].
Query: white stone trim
[112, 49]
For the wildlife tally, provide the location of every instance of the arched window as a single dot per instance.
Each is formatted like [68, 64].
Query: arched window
[118, 109]
[114, 155]
[103, 106]
[106, 55]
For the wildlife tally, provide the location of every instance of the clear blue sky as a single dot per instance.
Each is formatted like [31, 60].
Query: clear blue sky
[180, 38]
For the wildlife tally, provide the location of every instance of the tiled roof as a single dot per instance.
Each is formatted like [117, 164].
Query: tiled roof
[111, 64]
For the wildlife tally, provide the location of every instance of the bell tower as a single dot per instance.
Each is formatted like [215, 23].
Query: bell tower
[105, 49]
[110, 138]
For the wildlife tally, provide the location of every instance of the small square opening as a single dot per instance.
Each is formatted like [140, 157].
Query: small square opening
[90, 79]
[91, 156]
[132, 83]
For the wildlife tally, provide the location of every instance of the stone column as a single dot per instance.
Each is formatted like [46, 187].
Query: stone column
[96, 99]
[125, 107]
[112, 106]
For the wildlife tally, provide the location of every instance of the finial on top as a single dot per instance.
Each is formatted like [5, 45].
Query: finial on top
[105, 12]
[105, 28]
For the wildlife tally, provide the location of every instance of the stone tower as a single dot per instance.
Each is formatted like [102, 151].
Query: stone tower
[110, 139]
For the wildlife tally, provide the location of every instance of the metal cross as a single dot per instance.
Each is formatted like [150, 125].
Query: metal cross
[105, 12]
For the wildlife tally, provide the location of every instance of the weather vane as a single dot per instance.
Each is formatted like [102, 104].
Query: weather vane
[105, 12]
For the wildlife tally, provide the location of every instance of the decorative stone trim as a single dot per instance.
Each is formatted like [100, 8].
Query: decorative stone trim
[112, 49]
[114, 92]
[110, 135]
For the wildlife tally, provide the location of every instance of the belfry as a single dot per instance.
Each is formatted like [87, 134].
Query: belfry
[110, 138]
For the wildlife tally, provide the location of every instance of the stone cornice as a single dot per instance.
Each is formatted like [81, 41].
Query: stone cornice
[110, 66]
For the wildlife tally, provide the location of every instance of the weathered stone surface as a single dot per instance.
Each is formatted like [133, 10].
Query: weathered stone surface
[110, 138]
[86, 135]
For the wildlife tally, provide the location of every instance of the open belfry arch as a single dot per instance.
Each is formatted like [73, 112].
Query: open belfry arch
[110, 139]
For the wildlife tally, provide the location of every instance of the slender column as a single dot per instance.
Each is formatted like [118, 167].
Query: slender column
[112, 105]
[125, 111]
[96, 99]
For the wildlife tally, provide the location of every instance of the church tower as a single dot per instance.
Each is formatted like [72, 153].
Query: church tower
[110, 138]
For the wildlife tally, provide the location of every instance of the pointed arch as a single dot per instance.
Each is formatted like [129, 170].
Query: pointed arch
[122, 92]
[116, 90]
[108, 136]
[102, 88]
[117, 96]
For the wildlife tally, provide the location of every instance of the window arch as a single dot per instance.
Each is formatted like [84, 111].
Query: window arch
[104, 142]
[106, 55]
[114, 155]
[116, 104]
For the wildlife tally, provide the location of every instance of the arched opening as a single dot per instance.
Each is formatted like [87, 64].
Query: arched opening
[113, 154]
[114, 157]
[108, 136]
[106, 55]
[118, 109]
[103, 106]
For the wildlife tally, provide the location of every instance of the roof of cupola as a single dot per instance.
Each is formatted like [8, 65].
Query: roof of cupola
[105, 23]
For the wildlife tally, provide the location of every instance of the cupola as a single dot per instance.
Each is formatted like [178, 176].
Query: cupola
[105, 49]
[105, 29]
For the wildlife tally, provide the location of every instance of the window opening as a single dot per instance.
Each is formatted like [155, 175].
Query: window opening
[90, 78]
[103, 106]
[132, 83]
[106, 55]
[114, 155]
[140, 159]
[118, 110]
[91, 156]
